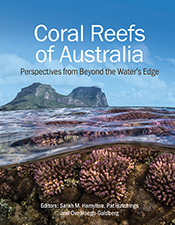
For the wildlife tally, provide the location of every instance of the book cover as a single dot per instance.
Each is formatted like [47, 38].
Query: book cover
[87, 124]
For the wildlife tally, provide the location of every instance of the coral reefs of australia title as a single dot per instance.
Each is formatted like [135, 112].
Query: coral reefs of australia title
[99, 34]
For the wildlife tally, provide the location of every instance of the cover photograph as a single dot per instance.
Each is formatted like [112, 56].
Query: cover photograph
[87, 112]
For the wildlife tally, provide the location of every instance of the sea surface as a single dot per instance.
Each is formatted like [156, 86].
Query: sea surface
[30, 135]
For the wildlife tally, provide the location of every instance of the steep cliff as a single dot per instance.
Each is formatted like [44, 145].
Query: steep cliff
[91, 96]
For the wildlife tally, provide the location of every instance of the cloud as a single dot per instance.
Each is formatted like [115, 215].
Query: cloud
[131, 90]
[10, 65]
[142, 97]
[146, 54]
[169, 64]
[143, 81]
[138, 81]
[171, 60]
[11, 81]
[141, 46]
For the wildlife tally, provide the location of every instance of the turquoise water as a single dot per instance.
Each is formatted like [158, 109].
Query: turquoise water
[29, 135]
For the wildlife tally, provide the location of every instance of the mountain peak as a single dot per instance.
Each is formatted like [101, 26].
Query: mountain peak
[38, 95]
[91, 96]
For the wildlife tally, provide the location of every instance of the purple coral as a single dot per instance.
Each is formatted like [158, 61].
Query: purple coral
[51, 175]
[136, 153]
[161, 178]
[4, 187]
[104, 174]
[26, 170]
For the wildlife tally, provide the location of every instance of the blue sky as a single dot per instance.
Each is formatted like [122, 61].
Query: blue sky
[18, 47]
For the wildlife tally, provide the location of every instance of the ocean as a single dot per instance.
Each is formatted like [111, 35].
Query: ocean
[80, 128]
[111, 165]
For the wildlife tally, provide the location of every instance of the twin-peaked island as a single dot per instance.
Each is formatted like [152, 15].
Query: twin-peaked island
[40, 95]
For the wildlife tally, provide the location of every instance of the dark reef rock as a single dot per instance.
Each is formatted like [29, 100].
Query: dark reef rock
[40, 95]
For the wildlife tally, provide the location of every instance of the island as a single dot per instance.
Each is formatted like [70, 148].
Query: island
[38, 95]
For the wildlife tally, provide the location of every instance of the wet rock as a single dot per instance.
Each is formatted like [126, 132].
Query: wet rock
[137, 176]
[100, 221]
[70, 194]
[124, 222]
[27, 215]
[150, 212]
[23, 189]
[62, 217]
[90, 198]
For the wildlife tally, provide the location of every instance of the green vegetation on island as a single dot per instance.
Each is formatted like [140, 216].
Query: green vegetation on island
[40, 95]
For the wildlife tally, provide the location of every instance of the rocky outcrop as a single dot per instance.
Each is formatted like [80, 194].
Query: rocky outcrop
[91, 96]
[40, 95]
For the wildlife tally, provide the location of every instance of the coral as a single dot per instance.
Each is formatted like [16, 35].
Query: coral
[26, 170]
[2, 173]
[127, 115]
[51, 175]
[49, 139]
[104, 174]
[54, 174]
[53, 139]
[141, 154]
[161, 178]
[91, 135]
[158, 130]
[4, 187]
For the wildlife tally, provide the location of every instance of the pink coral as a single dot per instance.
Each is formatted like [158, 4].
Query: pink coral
[50, 175]
[161, 178]
[141, 154]
[104, 174]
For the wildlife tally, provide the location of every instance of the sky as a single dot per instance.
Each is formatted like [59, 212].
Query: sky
[19, 47]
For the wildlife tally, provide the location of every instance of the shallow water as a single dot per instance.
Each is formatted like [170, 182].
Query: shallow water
[29, 135]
